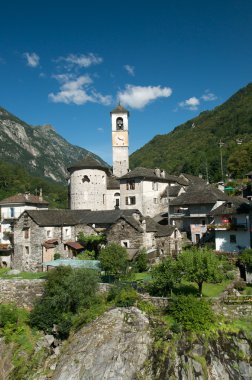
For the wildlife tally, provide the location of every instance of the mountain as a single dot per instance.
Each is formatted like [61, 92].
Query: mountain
[193, 147]
[42, 151]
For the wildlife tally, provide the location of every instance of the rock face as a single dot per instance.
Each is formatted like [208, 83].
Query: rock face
[113, 347]
[40, 149]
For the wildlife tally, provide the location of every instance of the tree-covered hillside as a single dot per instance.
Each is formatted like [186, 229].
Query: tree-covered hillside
[15, 179]
[193, 147]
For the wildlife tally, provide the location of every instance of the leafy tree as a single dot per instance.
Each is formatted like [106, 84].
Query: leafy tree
[192, 313]
[164, 277]
[246, 259]
[86, 255]
[114, 259]
[141, 261]
[66, 292]
[200, 265]
[92, 242]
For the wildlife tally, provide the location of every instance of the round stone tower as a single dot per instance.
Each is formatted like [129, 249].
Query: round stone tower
[88, 184]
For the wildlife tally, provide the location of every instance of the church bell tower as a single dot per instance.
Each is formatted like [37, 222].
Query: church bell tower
[120, 140]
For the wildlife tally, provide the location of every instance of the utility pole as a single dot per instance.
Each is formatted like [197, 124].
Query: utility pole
[168, 206]
[221, 159]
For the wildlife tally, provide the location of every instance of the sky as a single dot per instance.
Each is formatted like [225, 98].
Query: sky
[69, 63]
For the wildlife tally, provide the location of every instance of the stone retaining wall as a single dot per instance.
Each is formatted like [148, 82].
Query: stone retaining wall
[21, 292]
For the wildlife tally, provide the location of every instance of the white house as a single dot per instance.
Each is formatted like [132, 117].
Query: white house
[232, 224]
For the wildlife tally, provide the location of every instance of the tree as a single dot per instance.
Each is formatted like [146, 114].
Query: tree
[114, 259]
[164, 277]
[141, 261]
[92, 242]
[246, 259]
[200, 265]
[66, 292]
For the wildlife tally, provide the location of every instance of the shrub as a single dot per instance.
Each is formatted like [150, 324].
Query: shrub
[8, 314]
[141, 261]
[114, 259]
[86, 255]
[240, 284]
[192, 313]
[122, 296]
[56, 256]
[67, 290]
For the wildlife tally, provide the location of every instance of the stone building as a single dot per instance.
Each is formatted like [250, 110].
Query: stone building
[11, 208]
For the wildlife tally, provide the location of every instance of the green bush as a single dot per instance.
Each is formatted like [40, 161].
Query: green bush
[240, 284]
[56, 256]
[141, 261]
[86, 255]
[122, 296]
[66, 292]
[8, 314]
[192, 313]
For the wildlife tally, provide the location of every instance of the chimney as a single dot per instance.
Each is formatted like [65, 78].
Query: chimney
[40, 195]
[157, 172]
[162, 174]
[26, 195]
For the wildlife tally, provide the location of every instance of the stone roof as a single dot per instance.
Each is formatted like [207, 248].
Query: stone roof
[234, 205]
[120, 109]
[198, 194]
[149, 174]
[192, 179]
[74, 217]
[113, 183]
[24, 199]
[164, 230]
[88, 162]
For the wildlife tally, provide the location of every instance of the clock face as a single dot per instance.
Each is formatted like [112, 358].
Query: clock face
[120, 139]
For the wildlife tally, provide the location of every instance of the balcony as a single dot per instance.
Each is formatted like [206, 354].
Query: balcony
[228, 227]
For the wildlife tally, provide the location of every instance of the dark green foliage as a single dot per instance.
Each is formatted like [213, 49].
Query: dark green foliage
[114, 259]
[141, 262]
[165, 276]
[15, 179]
[92, 242]
[122, 295]
[56, 256]
[246, 259]
[86, 255]
[195, 150]
[8, 314]
[191, 313]
[67, 290]
[200, 265]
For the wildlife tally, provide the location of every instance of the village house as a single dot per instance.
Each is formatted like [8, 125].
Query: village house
[232, 225]
[11, 208]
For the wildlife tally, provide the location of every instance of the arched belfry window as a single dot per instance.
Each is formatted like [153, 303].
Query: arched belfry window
[119, 124]
[85, 179]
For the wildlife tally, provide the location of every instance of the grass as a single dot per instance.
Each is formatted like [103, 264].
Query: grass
[209, 290]
[22, 275]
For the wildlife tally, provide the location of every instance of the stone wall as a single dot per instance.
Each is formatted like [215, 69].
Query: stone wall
[22, 293]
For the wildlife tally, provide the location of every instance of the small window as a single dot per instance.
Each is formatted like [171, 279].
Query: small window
[203, 222]
[155, 201]
[12, 212]
[130, 185]
[27, 250]
[232, 238]
[117, 202]
[130, 200]
[154, 186]
[119, 124]
[85, 179]
[125, 243]
[26, 233]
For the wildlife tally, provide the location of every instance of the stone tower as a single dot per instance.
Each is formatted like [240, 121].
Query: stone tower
[120, 140]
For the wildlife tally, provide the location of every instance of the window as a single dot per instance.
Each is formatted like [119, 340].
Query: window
[117, 202]
[119, 124]
[203, 222]
[103, 199]
[26, 233]
[154, 186]
[125, 243]
[85, 179]
[232, 238]
[12, 212]
[155, 201]
[27, 250]
[130, 200]
[130, 185]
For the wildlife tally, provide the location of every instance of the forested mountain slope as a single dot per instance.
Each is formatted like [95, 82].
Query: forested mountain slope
[193, 147]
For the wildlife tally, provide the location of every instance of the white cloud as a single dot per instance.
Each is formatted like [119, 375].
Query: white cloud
[32, 59]
[100, 129]
[130, 70]
[139, 96]
[190, 104]
[209, 96]
[75, 90]
[81, 60]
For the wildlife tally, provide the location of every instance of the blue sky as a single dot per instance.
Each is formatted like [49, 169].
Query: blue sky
[68, 63]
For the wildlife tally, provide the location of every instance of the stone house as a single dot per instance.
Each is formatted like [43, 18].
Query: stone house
[190, 211]
[11, 208]
[232, 225]
[135, 232]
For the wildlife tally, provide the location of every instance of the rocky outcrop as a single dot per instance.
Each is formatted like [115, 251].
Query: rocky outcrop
[113, 347]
